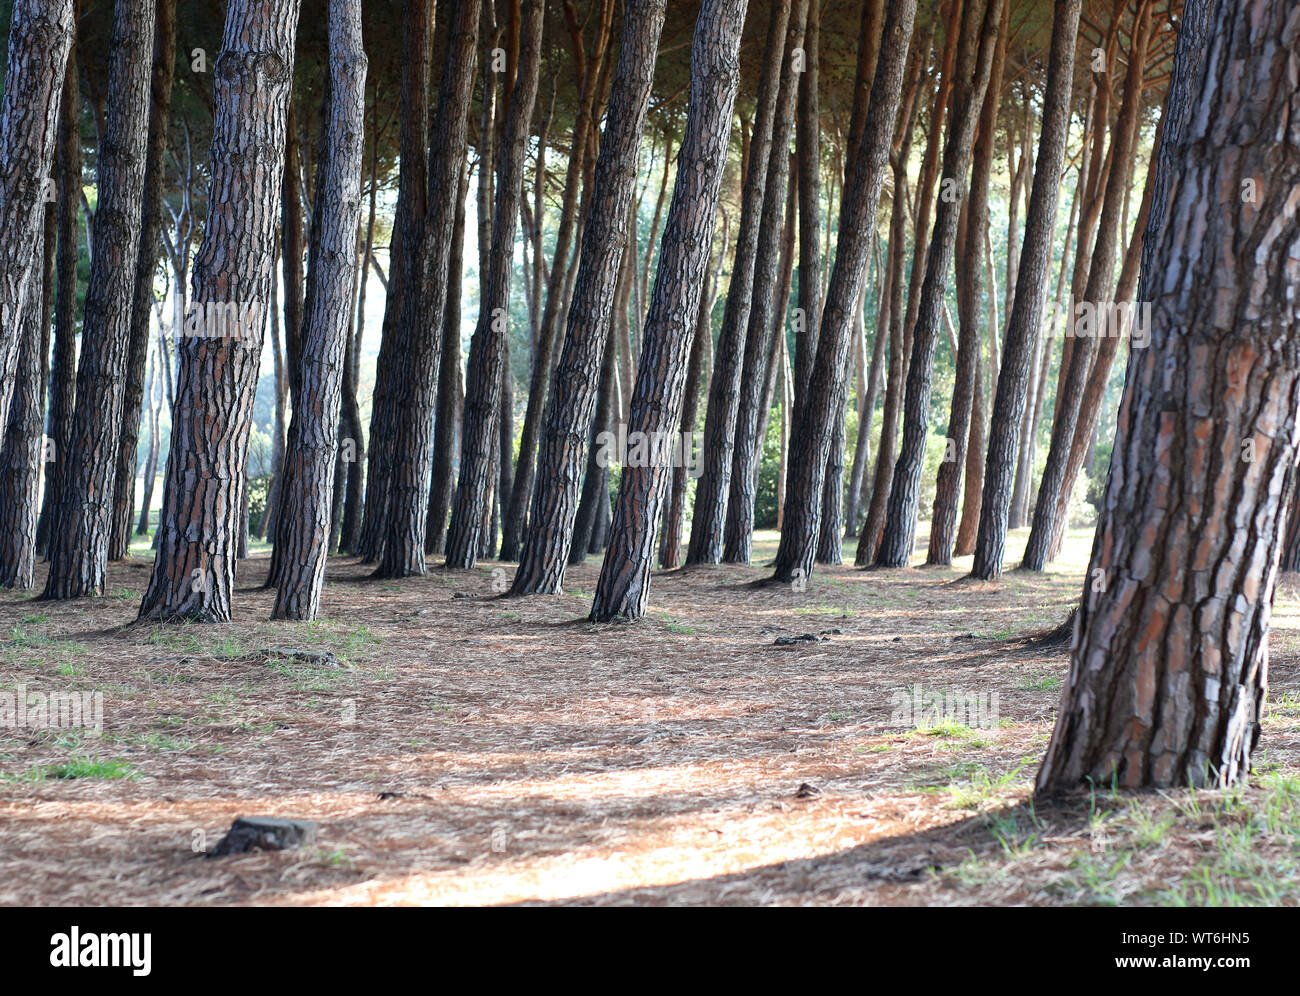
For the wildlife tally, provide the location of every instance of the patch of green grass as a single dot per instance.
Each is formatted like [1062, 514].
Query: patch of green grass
[80, 767]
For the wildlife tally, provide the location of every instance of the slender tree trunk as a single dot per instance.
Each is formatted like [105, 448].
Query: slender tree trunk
[40, 36]
[266, 523]
[488, 363]
[714, 486]
[814, 429]
[974, 64]
[198, 527]
[857, 491]
[623, 589]
[151, 456]
[1168, 678]
[302, 537]
[590, 336]
[747, 445]
[1049, 520]
[79, 543]
[142, 301]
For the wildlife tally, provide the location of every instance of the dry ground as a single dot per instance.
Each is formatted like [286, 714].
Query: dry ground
[478, 750]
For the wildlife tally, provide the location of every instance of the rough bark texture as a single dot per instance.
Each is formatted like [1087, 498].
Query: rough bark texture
[1169, 672]
[604, 240]
[142, 300]
[973, 66]
[199, 525]
[40, 36]
[711, 491]
[79, 542]
[488, 356]
[624, 586]
[420, 328]
[302, 534]
[812, 438]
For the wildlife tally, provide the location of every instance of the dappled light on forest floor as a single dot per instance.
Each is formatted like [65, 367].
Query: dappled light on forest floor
[463, 748]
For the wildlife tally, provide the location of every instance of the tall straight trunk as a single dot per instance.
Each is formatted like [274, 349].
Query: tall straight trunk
[713, 487]
[80, 540]
[40, 37]
[63, 379]
[973, 67]
[451, 388]
[408, 214]
[142, 301]
[747, 445]
[977, 448]
[1170, 668]
[1049, 518]
[20, 446]
[967, 398]
[279, 426]
[809, 179]
[670, 545]
[829, 548]
[588, 356]
[857, 493]
[488, 349]
[623, 589]
[780, 316]
[513, 523]
[814, 428]
[590, 521]
[199, 524]
[420, 329]
[302, 537]
[154, 394]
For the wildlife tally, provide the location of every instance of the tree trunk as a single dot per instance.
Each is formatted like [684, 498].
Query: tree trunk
[1057, 483]
[199, 523]
[1168, 678]
[590, 350]
[80, 540]
[747, 445]
[967, 398]
[63, 381]
[974, 64]
[142, 301]
[488, 349]
[623, 589]
[713, 487]
[420, 328]
[302, 537]
[40, 36]
[814, 429]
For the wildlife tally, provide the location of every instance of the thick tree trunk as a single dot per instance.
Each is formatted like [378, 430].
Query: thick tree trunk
[589, 352]
[409, 213]
[1057, 483]
[973, 66]
[142, 301]
[199, 524]
[63, 380]
[420, 329]
[814, 429]
[747, 445]
[1168, 677]
[623, 589]
[40, 36]
[302, 536]
[20, 447]
[80, 540]
[714, 486]
[488, 349]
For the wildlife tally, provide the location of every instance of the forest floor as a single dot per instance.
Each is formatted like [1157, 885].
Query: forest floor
[469, 749]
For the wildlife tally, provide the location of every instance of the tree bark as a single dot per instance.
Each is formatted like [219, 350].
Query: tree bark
[1168, 677]
[194, 570]
[80, 540]
[623, 590]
